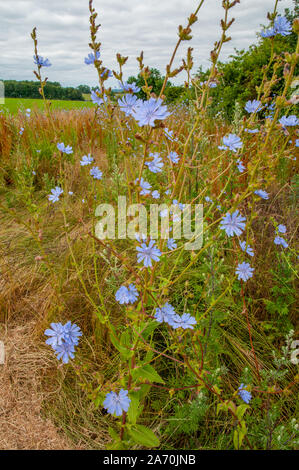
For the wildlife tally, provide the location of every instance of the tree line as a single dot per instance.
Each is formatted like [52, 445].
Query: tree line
[30, 89]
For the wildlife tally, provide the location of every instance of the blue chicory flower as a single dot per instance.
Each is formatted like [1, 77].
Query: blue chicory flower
[171, 244]
[156, 194]
[62, 148]
[244, 271]
[106, 73]
[165, 313]
[173, 156]
[41, 62]
[128, 104]
[96, 98]
[233, 223]
[86, 160]
[252, 131]
[72, 333]
[281, 228]
[129, 87]
[185, 321]
[268, 33]
[56, 192]
[252, 106]
[262, 194]
[231, 142]
[156, 164]
[148, 253]
[147, 112]
[175, 202]
[127, 295]
[56, 333]
[169, 134]
[289, 120]
[96, 173]
[248, 250]
[280, 241]
[90, 59]
[244, 394]
[117, 403]
[240, 166]
[65, 352]
[145, 186]
[282, 26]
[63, 339]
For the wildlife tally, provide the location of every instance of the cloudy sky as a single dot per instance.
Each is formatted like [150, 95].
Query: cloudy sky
[127, 27]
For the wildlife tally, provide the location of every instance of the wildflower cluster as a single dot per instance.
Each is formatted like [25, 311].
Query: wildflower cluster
[63, 339]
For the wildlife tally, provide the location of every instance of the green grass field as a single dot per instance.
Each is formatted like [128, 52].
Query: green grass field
[13, 105]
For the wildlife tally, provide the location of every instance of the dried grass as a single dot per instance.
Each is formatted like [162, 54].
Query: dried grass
[21, 395]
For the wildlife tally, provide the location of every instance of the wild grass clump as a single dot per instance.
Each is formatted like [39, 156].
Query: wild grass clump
[160, 345]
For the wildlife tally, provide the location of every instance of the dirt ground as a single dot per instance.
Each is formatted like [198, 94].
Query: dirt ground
[21, 423]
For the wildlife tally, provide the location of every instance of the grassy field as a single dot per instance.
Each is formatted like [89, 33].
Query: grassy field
[14, 105]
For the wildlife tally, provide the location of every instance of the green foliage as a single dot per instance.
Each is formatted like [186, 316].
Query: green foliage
[174, 93]
[144, 436]
[242, 74]
[187, 417]
[156, 80]
[30, 89]
[84, 89]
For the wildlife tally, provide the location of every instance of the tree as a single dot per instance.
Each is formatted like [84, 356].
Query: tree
[84, 89]
[155, 80]
[30, 89]
[174, 93]
[243, 73]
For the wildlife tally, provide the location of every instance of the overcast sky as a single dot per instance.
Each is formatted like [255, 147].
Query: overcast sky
[127, 27]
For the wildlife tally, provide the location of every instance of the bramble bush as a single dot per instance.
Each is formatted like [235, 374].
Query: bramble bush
[176, 348]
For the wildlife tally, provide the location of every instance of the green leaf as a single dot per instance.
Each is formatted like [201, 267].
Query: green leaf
[125, 352]
[135, 408]
[125, 339]
[147, 372]
[99, 399]
[113, 434]
[241, 410]
[221, 407]
[149, 329]
[238, 438]
[144, 436]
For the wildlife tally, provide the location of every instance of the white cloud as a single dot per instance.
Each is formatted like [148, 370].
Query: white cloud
[127, 27]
